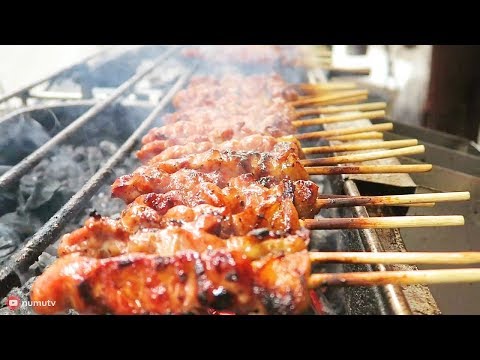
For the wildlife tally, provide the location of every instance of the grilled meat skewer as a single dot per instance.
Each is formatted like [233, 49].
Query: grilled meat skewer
[261, 143]
[236, 210]
[189, 282]
[103, 238]
[213, 166]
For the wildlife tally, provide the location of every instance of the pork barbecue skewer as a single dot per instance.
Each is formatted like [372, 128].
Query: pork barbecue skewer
[220, 166]
[188, 282]
[271, 281]
[192, 282]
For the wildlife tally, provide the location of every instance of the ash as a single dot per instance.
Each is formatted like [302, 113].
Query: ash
[50, 185]
[101, 202]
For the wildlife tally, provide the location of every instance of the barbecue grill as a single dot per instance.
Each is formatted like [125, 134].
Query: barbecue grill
[98, 125]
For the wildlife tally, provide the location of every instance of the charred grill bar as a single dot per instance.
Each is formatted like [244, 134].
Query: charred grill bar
[393, 300]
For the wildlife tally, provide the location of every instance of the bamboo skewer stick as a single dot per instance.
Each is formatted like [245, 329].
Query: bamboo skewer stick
[343, 201]
[390, 222]
[354, 71]
[361, 136]
[426, 204]
[347, 100]
[327, 98]
[379, 114]
[368, 169]
[336, 95]
[314, 62]
[323, 197]
[352, 158]
[386, 258]
[321, 52]
[333, 86]
[344, 131]
[354, 147]
[332, 109]
[445, 276]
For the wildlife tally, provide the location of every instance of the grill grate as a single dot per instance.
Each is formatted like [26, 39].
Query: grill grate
[27, 255]
[386, 299]
[15, 173]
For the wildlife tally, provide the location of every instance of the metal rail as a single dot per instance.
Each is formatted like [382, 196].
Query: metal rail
[49, 232]
[20, 169]
[393, 294]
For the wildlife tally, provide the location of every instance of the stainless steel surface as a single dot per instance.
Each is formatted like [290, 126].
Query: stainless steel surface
[452, 157]
[451, 298]
[390, 299]
[435, 137]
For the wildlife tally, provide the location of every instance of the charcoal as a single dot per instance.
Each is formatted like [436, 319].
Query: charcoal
[4, 169]
[34, 194]
[14, 228]
[23, 293]
[9, 240]
[44, 190]
[8, 201]
[20, 140]
[44, 261]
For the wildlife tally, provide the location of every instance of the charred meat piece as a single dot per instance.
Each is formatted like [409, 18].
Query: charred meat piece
[259, 143]
[102, 238]
[234, 211]
[214, 166]
[188, 282]
[209, 91]
[214, 125]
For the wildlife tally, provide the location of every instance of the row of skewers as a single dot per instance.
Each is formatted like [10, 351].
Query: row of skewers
[219, 214]
[248, 56]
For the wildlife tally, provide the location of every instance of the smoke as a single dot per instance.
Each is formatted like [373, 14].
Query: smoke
[50, 184]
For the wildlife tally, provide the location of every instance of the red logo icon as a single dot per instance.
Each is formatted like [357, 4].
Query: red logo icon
[13, 302]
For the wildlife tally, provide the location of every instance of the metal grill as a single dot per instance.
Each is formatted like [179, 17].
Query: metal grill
[383, 299]
[28, 254]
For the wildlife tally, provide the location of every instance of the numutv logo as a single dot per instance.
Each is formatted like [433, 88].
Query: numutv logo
[14, 302]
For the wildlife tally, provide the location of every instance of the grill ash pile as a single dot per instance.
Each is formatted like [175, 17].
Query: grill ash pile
[40, 195]
[101, 203]
[42, 192]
